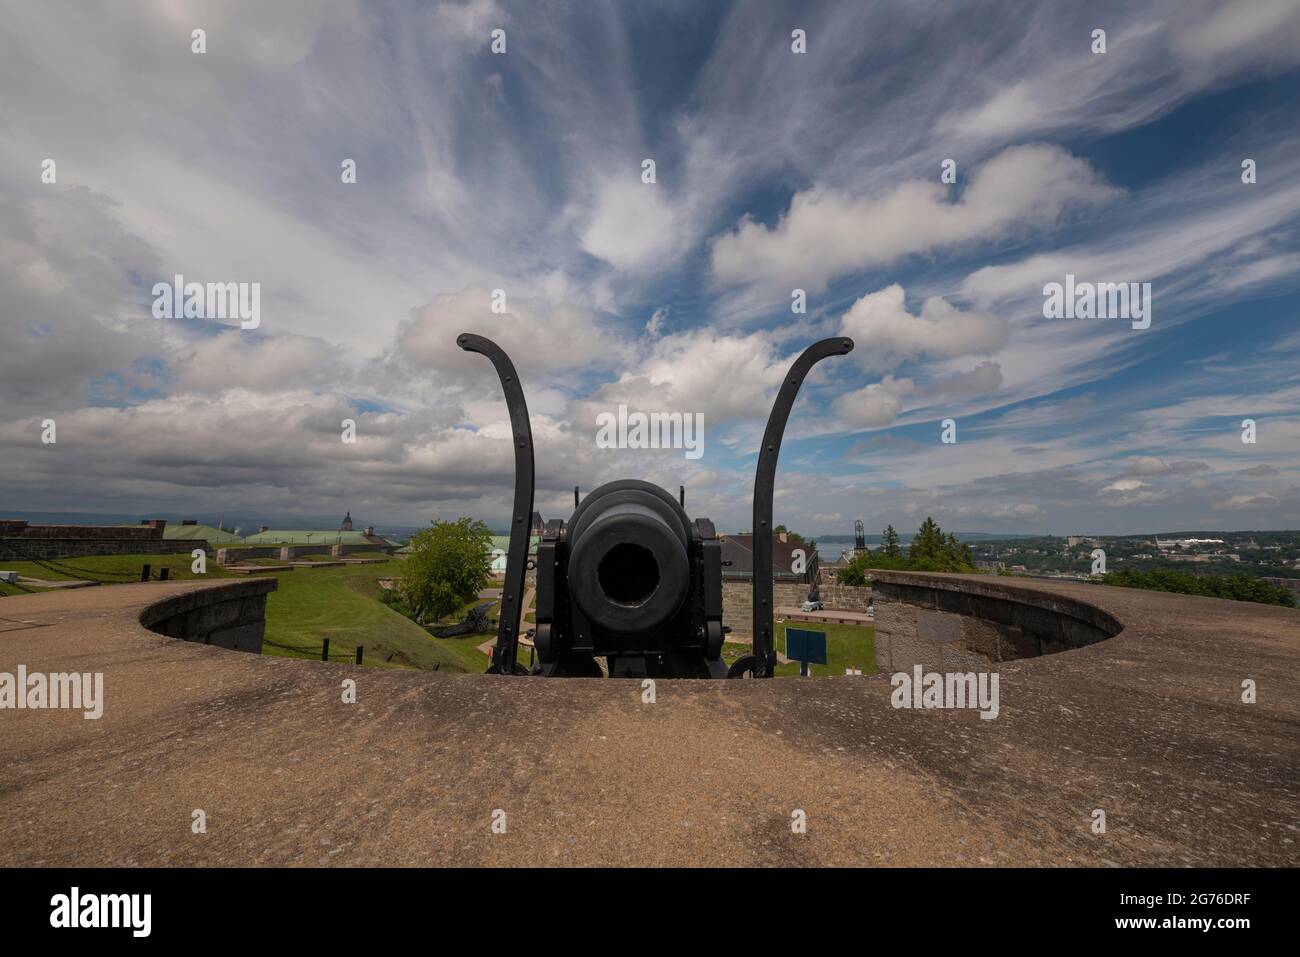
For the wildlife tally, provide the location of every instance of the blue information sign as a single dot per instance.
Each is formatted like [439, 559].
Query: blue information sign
[805, 647]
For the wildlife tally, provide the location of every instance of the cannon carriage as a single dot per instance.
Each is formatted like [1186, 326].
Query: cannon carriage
[629, 577]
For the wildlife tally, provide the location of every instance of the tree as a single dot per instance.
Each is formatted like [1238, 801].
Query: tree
[449, 564]
[930, 551]
[929, 543]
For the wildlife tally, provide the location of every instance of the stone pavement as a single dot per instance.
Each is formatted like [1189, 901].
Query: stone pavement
[1147, 725]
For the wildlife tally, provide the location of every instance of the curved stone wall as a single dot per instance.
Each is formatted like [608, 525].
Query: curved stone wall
[232, 616]
[963, 624]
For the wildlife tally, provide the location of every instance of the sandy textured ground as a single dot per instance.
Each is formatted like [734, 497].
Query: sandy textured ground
[1148, 726]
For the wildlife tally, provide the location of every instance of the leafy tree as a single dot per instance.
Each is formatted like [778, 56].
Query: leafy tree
[891, 542]
[449, 564]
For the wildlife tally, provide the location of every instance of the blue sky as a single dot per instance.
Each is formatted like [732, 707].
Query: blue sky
[775, 171]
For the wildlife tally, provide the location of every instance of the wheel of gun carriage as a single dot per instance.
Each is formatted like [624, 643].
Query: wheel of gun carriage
[746, 666]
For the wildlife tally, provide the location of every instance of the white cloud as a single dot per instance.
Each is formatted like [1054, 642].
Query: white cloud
[826, 233]
[538, 335]
[632, 226]
[876, 404]
[887, 334]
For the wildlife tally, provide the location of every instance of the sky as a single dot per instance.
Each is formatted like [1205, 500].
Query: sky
[774, 171]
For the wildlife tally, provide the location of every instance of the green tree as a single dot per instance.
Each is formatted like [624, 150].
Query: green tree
[449, 564]
[891, 542]
[929, 544]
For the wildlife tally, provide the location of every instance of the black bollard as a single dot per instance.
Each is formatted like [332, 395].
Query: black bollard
[144, 573]
[325, 650]
[359, 650]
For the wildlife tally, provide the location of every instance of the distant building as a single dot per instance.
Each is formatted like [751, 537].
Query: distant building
[500, 550]
[738, 559]
[322, 537]
[347, 523]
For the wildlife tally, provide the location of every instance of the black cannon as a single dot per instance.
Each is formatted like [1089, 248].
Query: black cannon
[630, 577]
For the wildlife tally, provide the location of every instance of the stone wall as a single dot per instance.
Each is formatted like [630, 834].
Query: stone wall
[288, 553]
[148, 531]
[960, 624]
[738, 600]
[19, 549]
[230, 616]
[233, 556]
[338, 551]
[845, 597]
[19, 540]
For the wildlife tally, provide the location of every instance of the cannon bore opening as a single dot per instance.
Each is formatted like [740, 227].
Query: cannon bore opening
[628, 574]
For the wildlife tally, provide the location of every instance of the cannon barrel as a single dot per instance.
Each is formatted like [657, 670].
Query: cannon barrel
[629, 569]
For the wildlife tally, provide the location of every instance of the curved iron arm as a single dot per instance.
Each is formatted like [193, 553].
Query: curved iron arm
[764, 482]
[507, 647]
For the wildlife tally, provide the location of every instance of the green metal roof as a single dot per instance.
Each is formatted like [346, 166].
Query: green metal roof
[186, 533]
[297, 536]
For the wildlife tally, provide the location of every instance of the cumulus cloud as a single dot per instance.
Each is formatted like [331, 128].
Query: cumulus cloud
[826, 233]
[1133, 492]
[888, 334]
[633, 226]
[538, 334]
[281, 363]
[876, 404]
[726, 377]
[981, 380]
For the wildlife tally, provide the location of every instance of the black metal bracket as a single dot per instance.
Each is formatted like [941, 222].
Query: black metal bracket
[764, 484]
[505, 654]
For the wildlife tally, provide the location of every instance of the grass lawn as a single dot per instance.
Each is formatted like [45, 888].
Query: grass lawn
[846, 646]
[111, 569]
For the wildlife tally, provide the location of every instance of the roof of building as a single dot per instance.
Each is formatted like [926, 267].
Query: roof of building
[217, 536]
[298, 536]
[739, 551]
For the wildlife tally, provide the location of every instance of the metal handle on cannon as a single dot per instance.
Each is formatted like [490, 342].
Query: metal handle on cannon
[505, 654]
[764, 663]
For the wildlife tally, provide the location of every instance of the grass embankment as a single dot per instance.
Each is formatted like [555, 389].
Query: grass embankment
[344, 604]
